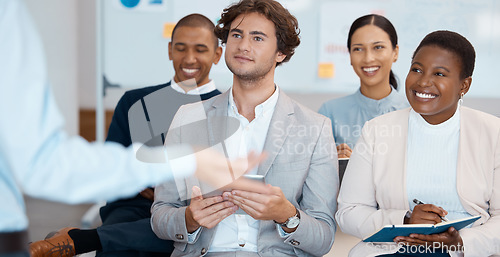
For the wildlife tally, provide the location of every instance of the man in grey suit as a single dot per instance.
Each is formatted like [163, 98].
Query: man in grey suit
[295, 218]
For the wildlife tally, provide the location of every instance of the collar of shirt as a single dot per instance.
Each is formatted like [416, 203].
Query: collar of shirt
[260, 110]
[207, 88]
[377, 105]
[446, 127]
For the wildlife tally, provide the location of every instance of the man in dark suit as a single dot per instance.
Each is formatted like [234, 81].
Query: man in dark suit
[126, 229]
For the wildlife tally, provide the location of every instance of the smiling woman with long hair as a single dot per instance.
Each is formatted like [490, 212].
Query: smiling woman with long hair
[373, 48]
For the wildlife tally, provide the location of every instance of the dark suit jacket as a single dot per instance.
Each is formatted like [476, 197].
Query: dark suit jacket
[119, 130]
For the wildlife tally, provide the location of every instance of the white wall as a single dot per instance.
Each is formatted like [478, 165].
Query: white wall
[57, 25]
[68, 31]
[87, 53]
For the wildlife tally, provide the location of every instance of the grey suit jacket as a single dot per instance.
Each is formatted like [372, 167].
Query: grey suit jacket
[302, 161]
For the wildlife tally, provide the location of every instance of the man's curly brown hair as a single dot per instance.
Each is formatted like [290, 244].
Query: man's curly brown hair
[287, 26]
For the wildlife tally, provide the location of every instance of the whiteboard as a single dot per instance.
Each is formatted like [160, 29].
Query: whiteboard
[134, 51]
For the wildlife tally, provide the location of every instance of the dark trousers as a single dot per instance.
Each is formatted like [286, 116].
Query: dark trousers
[14, 244]
[126, 230]
[18, 254]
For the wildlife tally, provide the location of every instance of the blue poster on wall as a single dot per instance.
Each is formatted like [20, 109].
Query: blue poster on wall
[141, 5]
[130, 3]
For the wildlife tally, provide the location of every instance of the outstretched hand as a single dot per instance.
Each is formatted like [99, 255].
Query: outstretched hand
[218, 171]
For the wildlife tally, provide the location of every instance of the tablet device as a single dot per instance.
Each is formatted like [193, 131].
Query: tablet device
[216, 192]
[342, 165]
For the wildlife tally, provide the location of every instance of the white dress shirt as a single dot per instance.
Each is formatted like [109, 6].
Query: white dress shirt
[239, 232]
[207, 88]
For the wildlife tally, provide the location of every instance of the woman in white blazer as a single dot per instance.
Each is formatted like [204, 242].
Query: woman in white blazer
[438, 152]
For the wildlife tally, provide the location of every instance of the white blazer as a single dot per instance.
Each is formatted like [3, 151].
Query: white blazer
[373, 192]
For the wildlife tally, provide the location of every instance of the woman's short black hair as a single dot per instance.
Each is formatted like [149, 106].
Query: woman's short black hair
[454, 43]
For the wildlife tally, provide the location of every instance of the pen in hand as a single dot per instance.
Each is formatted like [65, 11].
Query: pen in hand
[417, 202]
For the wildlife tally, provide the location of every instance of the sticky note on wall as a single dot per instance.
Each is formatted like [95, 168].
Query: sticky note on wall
[326, 70]
[167, 29]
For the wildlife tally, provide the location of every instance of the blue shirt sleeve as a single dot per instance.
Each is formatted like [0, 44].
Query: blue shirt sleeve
[36, 155]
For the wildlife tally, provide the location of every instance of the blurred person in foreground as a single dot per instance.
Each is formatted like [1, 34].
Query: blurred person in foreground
[38, 158]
